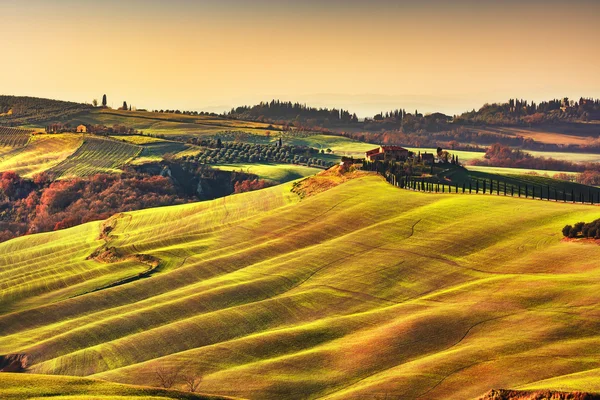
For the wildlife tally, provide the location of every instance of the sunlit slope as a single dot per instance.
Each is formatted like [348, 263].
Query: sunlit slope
[170, 124]
[358, 291]
[34, 387]
[42, 153]
[96, 155]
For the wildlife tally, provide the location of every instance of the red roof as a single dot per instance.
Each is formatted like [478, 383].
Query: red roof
[393, 148]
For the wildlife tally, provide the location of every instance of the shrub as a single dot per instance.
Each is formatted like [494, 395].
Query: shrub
[581, 229]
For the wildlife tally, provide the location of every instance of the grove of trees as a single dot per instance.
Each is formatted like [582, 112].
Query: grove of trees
[218, 152]
[582, 230]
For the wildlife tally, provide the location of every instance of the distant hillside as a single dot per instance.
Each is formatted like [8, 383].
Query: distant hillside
[20, 110]
[513, 112]
[523, 112]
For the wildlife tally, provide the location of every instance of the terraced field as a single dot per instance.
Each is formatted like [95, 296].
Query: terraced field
[96, 155]
[42, 153]
[14, 137]
[360, 291]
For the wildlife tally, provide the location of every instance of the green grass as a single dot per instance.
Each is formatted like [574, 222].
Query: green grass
[96, 155]
[36, 387]
[462, 176]
[515, 171]
[340, 145]
[567, 156]
[357, 292]
[42, 153]
[169, 124]
[278, 173]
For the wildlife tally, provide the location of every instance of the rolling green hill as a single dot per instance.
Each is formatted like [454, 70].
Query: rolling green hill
[42, 153]
[96, 155]
[170, 125]
[36, 387]
[360, 291]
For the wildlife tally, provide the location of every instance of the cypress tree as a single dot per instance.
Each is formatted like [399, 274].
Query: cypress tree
[104, 101]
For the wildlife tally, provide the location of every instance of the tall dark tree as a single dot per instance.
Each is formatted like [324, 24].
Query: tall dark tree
[104, 101]
[125, 106]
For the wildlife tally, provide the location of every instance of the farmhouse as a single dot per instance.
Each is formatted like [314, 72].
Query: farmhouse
[81, 129]
[387, 153]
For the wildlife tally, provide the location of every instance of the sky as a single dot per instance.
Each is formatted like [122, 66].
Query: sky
[367, 56]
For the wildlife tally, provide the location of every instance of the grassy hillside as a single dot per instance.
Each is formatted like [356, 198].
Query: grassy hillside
[558, 188]
[278, 173]
[42, 153]
[178, 125]
[363, 290]
[35, 387]
[96, 155]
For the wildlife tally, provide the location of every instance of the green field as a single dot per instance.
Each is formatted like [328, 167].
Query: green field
[42, 153]
[37, 387]
[96, 155]
[537, 183]
[278, 173]
[361, 291]
[567, 156]
[340, 145]
[515, 171]
[176, 125]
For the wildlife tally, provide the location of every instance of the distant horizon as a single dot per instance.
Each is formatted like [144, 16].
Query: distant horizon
[386, 104]
[434, 55]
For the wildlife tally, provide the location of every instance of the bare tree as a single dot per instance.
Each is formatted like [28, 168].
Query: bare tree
[166, 376]
[192, 381]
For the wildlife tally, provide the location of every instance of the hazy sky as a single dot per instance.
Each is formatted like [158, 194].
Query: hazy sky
[366, 55]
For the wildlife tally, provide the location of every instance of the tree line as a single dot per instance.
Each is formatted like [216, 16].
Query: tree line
[523, 112]
[286, 110]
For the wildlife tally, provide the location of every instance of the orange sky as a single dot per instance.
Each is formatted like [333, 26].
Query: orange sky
[366, 56]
